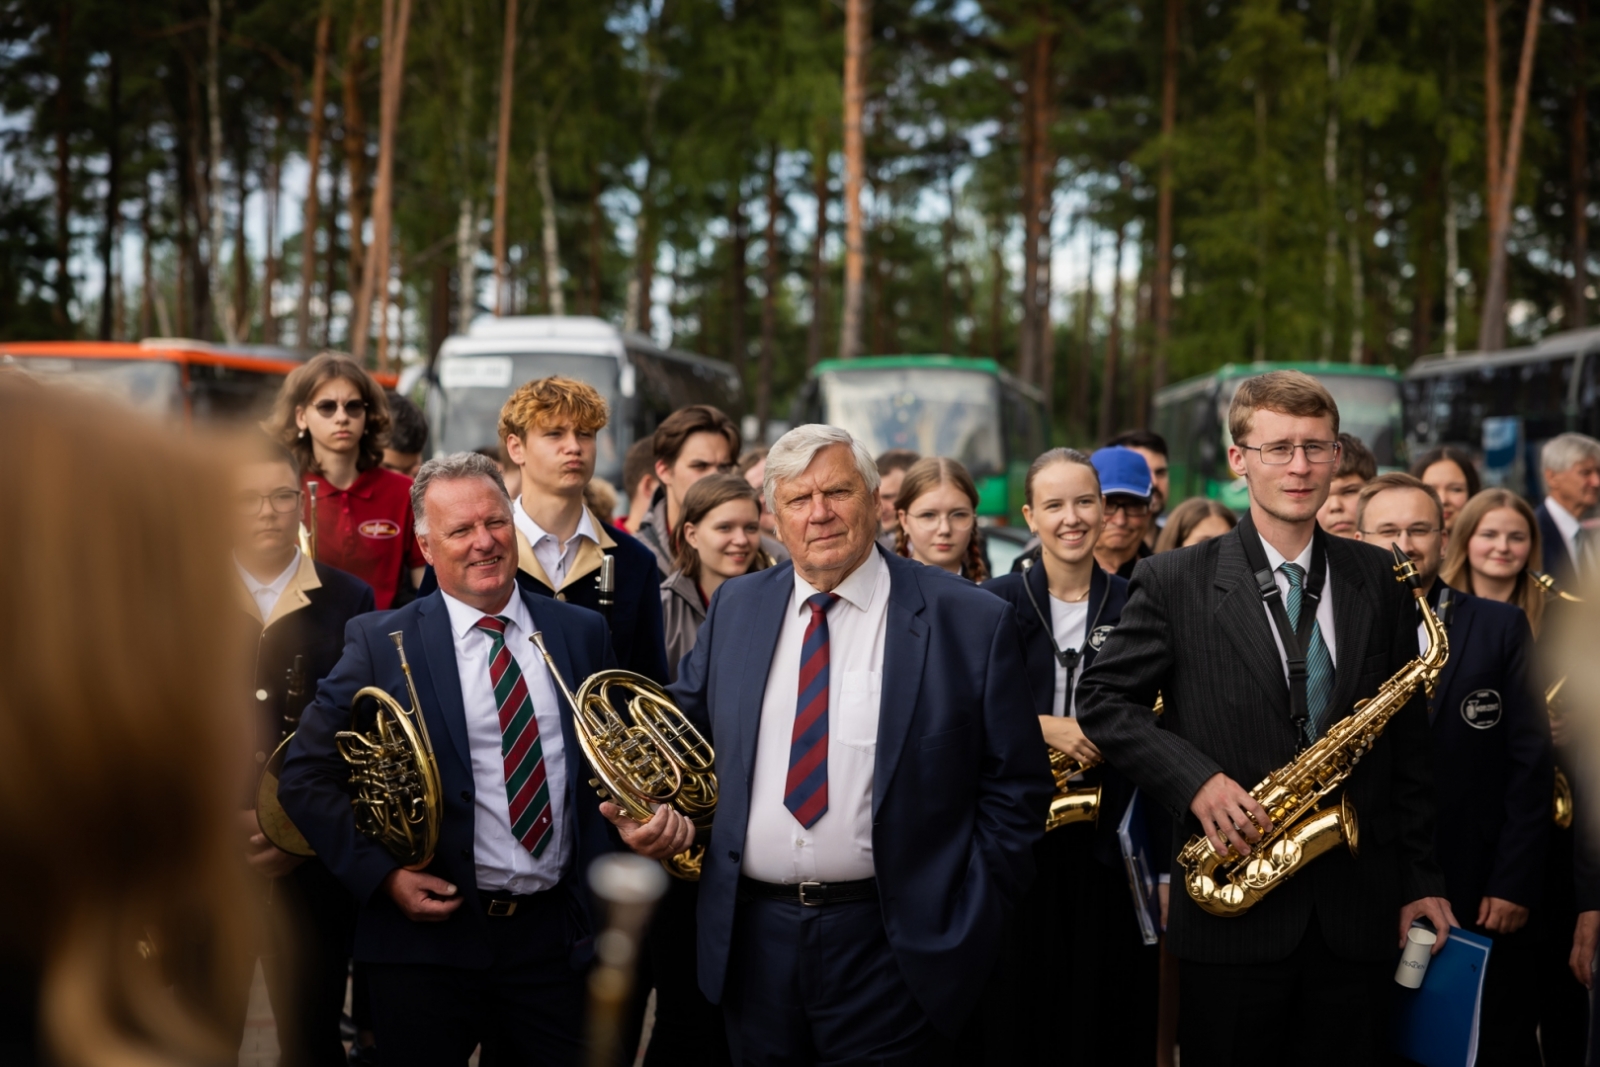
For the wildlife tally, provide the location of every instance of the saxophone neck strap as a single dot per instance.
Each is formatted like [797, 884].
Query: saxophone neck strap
[1066, 657]
[1296, 638]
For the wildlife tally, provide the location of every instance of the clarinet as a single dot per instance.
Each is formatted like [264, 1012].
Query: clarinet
[606, 581]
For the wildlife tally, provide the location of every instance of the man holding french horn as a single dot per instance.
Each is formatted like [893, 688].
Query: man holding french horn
[1261, 642]
[486, 932]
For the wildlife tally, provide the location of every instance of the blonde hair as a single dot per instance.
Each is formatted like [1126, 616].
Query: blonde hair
[1288, 392]
[547, 401]
[927, 474]
[123, 734]
[1457, 572]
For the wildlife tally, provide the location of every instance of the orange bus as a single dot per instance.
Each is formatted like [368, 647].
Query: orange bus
[167, 378]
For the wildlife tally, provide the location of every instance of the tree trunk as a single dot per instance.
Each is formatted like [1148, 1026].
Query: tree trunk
[947, 262]
[1078, 405]
[737, 285]
[502, 158]
[596, 237]
[355, 150]
[1330, 180]
[1493, 151]
[269, 279]
[438, 307]
[147, 293]
[769, 300]
[239, 306]
[1358, 337]
[308, 230]
[466, 263]
[857, 35]
[997, 294]
[108, 237]
[819, 237]
[1452, 267]
[375, 280]
[554, 297]
[1492, 334]
[214, 181]
[1578, 313]
[636, 314]
[1422, 317]
[1113, 356]
[1262, 187]
[1169, 120]
[62, 312]
[1036, 206]
[330, 262]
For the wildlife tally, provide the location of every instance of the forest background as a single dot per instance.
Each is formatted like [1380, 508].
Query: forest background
[1103, 196]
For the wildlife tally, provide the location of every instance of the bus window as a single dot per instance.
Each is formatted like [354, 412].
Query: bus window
[151, 387]
[934, 411]
[1369, 408]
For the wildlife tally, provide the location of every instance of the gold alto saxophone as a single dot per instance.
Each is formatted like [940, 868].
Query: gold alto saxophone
[1228, 884]
[1075, 804]
[398, 799]
[644, 756]
[1561, 800]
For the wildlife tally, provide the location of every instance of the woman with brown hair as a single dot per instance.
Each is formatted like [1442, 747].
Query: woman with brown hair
[122, 742]
[1450, 472]
[335, 419]
[1491, 549]
[1194, 521]
[938, 511]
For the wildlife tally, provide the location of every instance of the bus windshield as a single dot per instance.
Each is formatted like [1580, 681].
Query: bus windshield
[151, 387]
[1369, 408]
[934, 411]
[473, 389]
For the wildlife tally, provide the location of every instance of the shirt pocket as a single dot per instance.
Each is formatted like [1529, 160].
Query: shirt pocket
[856, 725]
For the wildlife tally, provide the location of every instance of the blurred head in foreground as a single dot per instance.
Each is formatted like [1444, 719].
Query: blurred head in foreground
[121, 738]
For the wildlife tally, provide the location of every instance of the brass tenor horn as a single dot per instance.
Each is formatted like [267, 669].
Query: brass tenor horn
[643, 755]
[1561, 798]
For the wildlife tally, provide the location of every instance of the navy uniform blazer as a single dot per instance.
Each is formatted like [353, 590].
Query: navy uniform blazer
[1553, 547]
[960, 787]
[314, 783]
[1107, 594]
[1492, 766]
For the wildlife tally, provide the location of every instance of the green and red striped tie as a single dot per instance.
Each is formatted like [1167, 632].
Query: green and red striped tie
[526, 789]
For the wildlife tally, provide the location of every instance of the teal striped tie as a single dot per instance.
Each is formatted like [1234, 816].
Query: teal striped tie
[1319, 664]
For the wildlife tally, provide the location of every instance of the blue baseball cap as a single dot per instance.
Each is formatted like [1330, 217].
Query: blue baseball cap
[1122, 471]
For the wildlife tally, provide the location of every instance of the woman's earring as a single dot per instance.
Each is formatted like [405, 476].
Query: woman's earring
[302, 433]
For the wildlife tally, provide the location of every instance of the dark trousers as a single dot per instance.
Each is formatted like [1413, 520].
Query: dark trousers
[1510, 1014]
[529, 1002]
[1311, 1007]
[1072, 962]
[689, 1030]
[1562, 1003]
[313, 921]
[819, 986]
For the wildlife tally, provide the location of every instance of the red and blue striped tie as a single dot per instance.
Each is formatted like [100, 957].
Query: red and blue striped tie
[526, 789]
[805, 793]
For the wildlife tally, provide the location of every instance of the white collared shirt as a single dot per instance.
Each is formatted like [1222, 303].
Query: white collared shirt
[555, 557]
[1569, 526]
[838, 846]
[503, 865]
[1276, 561]
[266, 596]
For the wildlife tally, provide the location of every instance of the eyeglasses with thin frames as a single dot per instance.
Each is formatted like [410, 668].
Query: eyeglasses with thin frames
[1281, 453]
[281, 501]
[1392, 533]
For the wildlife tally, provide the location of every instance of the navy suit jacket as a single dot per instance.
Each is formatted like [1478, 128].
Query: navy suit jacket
[1492, 768]
[314, 785]
[1557, 560]
[1107, 594]
[961, 783]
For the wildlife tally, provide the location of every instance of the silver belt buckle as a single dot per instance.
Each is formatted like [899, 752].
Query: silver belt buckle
[806, 901]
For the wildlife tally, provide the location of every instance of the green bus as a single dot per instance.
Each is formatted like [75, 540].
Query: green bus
[1193, 417]
[971, 410]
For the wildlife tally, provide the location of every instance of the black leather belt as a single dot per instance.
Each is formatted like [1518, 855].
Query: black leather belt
[811, 894]
[503, 905]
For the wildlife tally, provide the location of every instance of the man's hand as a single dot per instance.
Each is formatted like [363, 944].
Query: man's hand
[667, 833]
[422, 898]
[1437, 911]
[1501, 916]
[1065, 735]
[1229, 815]
[265, 858]
[1584, 938]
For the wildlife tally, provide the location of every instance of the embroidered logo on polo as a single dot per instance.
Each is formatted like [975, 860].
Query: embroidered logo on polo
[1481, 709]
[1098, 635]
[379, 528]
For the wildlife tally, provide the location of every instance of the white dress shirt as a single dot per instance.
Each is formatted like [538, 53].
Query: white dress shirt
[838, 846]
[1569, 526]
[503, 865]
[1070, 621]
[1276, 561]
[266, 596]
[554, 556]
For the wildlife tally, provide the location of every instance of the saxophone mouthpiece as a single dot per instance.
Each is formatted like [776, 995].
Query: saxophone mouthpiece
[1404, 570]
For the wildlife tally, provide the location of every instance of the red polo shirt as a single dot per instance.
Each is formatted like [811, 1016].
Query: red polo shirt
[366, 530]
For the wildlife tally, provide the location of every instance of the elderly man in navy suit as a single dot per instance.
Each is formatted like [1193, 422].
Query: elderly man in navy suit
[492, 936]
[882, 776]
[1571, 463]
[1492, 768]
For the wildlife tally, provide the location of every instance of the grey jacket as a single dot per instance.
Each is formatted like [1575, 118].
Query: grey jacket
[682, 613]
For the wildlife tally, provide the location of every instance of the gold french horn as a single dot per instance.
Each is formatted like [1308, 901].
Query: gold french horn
[643, 755]
[1561, 798]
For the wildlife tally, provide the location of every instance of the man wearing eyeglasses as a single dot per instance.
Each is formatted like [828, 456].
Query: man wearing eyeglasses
[1208, 629]
[294, 612]
[1126, 485]
[1492, 765]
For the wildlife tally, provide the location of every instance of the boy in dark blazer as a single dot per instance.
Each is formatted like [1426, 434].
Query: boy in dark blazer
[1492, 765]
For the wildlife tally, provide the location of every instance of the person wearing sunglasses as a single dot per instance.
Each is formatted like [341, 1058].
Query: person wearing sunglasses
[293, 613]
[334, 419]
[1127, 485]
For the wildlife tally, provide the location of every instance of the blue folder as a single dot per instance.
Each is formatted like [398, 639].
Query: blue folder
[1437, 1025]
[1136, 860]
